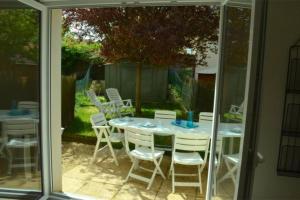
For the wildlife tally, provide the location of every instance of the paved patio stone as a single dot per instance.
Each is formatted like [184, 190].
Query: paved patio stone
[104, 180]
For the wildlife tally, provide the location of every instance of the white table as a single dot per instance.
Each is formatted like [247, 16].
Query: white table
[165, 128]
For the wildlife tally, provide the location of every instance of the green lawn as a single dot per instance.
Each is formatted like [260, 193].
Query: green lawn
[80, 129]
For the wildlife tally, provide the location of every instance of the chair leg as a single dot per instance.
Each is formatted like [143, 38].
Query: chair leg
[10, 160]
[170, 170]
[96, 149]
[215, 182]
[131, 169]
[200, 181]
[230, 173]
[112, 153]
[173, 177]
[158, 167]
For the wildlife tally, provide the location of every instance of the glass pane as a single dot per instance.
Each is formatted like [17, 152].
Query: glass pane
[230, 133]
[20, 97]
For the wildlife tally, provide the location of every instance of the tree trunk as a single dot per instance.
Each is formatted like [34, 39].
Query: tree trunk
[138, 79]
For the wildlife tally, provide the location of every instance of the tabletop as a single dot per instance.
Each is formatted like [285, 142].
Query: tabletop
[165, 127]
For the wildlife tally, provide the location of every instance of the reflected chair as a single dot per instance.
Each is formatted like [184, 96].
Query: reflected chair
[2, 145]
[218, 159]
[21, 134]
[232, 163]
[144, 150]
[124, 107]
[104, 134]
[106, 108]
[31, 106]
[234, 109]
[186, 152]
[165, 114]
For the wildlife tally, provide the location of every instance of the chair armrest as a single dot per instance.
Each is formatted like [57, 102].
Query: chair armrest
[127, 102]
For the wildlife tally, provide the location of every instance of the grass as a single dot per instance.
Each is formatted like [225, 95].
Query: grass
[80, 129]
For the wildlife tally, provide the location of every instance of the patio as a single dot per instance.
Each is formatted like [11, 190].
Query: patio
[105, 180]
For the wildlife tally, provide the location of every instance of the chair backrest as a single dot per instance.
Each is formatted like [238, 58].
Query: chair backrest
[98, 119]
[165, 114]
[32, 106]
[241, 108]
[20, 128]
[139, 138]
[191, 142]
[114, 95]
[93, 98]
[206, 116]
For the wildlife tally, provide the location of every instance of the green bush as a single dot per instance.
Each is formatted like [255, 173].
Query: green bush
[75, 52]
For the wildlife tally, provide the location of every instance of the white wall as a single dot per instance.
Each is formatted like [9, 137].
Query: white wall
[283, 29]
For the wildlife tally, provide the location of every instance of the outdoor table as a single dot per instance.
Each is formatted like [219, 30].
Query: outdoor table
[164, 127]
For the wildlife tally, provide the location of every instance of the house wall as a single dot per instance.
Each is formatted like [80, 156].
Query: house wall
[283, 30]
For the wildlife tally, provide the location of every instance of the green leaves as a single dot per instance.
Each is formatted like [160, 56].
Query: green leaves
[75, 52]
[19, 33]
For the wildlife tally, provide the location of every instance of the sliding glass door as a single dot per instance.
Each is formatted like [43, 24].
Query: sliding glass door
[232, 99]
[20, 101]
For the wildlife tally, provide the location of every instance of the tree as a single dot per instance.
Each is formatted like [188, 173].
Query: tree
[19, 33]
[149, 35]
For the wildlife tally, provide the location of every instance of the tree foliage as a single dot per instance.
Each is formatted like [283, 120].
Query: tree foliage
[153, 35]
[19, 33]
[76, 52]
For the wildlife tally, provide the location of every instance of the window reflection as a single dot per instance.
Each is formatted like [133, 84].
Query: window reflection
[20, 98]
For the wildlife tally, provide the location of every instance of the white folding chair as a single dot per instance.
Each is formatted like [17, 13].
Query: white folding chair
[165, 114]
[123, 106]
[191, 144]
[106, 108]
[232, 163]
[104, 134]
[21, 134]
[32, 106]
[144, 150]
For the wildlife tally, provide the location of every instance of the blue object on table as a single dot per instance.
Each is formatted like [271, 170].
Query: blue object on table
[184, 124]
[190, 119]
[178, 121]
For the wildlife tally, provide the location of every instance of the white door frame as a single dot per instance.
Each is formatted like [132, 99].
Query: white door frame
[44, 93]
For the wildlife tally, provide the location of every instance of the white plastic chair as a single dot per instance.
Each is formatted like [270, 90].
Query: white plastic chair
[104, 134]
[106, 108]
[144, 150]
[165, 114]
[21, 134]
[123, 106]
[32, 106]
[205, 116]
[191, 144]
[234, 109]
[232, 163]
